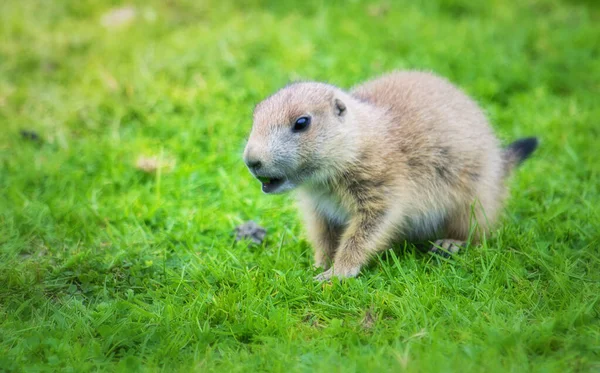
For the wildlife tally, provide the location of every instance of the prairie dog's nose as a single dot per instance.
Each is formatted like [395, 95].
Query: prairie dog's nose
[252, 160]
[254, 164]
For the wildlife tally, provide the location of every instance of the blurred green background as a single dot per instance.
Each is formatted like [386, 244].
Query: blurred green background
[121, 182]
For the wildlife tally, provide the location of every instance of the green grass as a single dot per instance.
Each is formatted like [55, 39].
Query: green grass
[105, 267]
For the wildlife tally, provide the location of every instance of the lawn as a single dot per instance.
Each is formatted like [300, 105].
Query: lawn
[107, 264]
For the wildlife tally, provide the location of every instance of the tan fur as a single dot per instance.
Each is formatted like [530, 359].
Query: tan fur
[411, 157]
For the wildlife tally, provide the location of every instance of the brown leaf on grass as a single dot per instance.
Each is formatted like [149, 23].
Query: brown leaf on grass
[378, 10]
[200, 81]
[4, 96]
[37, 254]
[152, 164]
[109, 81]
[312, 320]
[369, 320]
[250, 231]
[118, 17]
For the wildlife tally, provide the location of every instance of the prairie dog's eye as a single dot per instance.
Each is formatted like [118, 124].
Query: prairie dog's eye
[301, 124]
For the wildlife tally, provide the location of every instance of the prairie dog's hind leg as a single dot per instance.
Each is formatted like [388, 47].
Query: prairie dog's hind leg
[462, 226]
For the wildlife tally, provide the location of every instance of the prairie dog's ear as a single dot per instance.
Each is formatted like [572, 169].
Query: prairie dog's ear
[339, 107]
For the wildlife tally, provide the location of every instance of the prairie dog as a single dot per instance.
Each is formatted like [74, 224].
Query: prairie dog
[406, 156]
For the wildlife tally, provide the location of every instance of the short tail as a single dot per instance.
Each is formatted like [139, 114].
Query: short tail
[518, 151]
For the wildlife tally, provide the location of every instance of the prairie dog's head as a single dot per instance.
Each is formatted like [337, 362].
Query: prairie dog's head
[298, 135]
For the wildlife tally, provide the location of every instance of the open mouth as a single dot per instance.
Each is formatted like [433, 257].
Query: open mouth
[270, 184]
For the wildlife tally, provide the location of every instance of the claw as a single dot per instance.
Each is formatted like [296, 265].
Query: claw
[446, 247]
[332, 272]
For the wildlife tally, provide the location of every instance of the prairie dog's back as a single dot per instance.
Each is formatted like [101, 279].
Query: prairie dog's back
[420, 102]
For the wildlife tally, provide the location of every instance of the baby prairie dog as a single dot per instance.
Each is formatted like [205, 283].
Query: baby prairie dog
[406, 156]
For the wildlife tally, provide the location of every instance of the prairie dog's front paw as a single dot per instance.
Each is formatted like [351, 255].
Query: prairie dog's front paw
[339, 272]
[324, 276]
